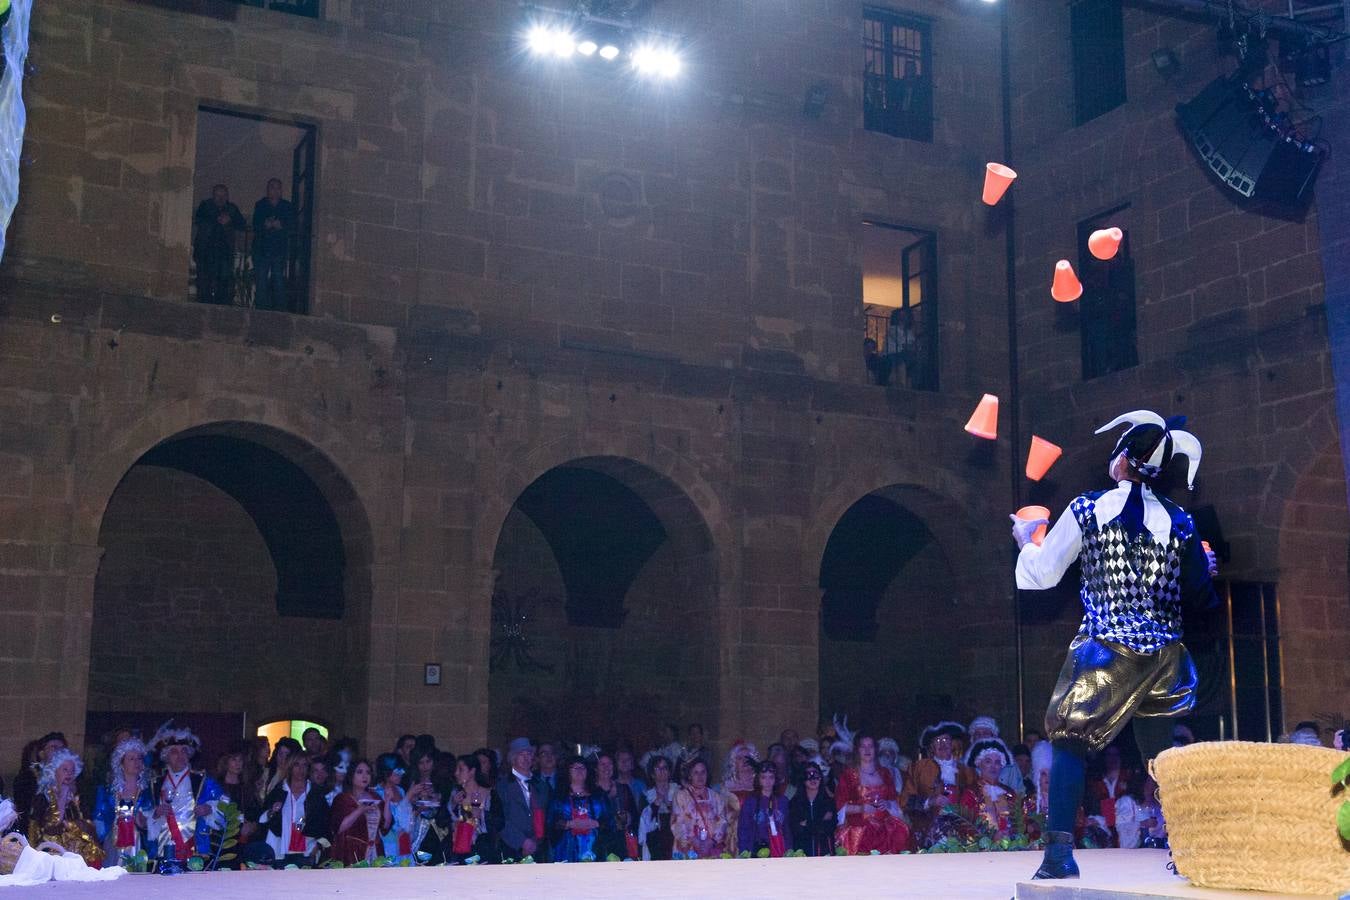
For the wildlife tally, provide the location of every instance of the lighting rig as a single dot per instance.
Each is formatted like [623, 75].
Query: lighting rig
[583, 39]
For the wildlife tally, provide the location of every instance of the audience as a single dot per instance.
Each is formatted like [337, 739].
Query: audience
[307, 803]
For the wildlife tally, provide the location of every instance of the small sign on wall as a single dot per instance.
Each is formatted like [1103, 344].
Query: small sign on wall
[431, 674]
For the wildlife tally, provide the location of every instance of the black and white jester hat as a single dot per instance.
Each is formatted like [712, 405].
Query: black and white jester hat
[1151, 441]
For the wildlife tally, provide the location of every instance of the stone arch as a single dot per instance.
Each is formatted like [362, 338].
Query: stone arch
[611, 531]
[894, 604]
[225, 530]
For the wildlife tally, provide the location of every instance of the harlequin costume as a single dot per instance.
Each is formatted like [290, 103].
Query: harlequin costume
[1142, 565]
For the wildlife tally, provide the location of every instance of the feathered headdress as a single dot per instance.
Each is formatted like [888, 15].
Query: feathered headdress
[168, 736]
[1151, 441]
[844, 744]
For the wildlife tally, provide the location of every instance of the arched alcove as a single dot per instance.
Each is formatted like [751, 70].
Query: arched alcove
[235, 578]
[604, 606]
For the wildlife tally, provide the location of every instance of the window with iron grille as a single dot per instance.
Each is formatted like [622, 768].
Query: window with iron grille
[897, 75]
[1097, 30]
[1107, 308]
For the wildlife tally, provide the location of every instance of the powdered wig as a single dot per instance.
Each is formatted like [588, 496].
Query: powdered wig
[739, 749]
[136, 748]
[47, 780]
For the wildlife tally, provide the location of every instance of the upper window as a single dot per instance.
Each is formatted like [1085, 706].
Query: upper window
[1107, 323]
[1097, 30]
[253, 211]
[900, 306]
[897, 75]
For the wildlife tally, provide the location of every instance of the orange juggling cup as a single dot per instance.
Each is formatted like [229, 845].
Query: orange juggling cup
[1041, 457]
[997, 179]
[1031, 514]
[1066, 287]
[1105, 243]
[984, 421]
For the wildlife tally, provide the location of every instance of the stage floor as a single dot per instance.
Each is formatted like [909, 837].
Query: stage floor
[1125, 874]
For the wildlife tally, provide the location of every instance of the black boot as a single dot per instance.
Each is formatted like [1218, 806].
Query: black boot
[1058, 861]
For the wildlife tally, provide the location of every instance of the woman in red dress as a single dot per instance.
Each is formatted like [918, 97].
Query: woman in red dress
[868, 798]
[359, 818]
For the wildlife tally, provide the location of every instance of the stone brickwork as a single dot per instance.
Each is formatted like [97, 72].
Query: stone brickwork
[516, 270]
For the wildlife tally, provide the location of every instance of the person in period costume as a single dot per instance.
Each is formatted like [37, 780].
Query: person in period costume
[654, 825]
[124, 806]
[358, 817]
[868, 805]
[185, 812]
[1143, 565]
[990, 802]
[700, 820]
[581, 817]
[986, 728]
[812, 815]
[936, 781]
[763, 822]
[56, 814]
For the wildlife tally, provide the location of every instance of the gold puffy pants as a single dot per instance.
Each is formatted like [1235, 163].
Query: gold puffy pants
[1103, 685]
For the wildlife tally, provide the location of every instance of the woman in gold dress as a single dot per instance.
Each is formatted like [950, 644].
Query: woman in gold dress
[56, 814]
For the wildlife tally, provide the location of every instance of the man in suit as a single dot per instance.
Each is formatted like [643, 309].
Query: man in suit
[547, 759]
[524, 802]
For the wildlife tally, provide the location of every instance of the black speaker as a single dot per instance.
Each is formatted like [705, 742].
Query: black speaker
[1236, 136]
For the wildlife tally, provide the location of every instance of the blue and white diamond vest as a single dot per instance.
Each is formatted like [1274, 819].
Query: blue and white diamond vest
[1131, 584]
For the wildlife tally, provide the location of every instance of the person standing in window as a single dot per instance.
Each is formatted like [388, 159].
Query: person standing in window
[217, 224]
[273, 226]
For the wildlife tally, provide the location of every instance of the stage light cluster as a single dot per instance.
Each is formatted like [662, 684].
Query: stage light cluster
[648, 59]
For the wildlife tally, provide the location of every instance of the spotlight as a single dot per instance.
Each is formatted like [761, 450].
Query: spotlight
[587, 48]
[563, 45]
[657, 61]
[540, 40]
[609, 52]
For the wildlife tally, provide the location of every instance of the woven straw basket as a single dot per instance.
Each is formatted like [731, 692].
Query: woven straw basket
[1254, 816]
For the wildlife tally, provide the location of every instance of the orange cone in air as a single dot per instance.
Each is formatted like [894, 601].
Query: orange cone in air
[1041, 457]
[997, 179]
[1067, 288]
[1105, 244]
[984, 421]
[1031, 514]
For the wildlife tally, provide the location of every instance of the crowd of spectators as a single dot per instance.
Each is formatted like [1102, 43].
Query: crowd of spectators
[312, 801]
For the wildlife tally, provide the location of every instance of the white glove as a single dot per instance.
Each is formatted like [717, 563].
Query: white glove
[1023, 529]
[8, 815]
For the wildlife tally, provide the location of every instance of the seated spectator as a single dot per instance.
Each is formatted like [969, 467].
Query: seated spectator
[123, 805]
[622, 806]
[281, 755]
[397, 835]
[1021, 755]
[700, 820]
[868, 803]
[186, 812]
[764, 819]
[524, 802]
[547, 759]
[936, 781]
[1105, 787]
[694, 749]
[581, 818]
[313, 743]
[990, 801]
[812, 814]
[295, 816]
[35, 756]
[476, 820]
[626, 766]
[358, 818]
[654, 827]
[669, 747]
[56, 816]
